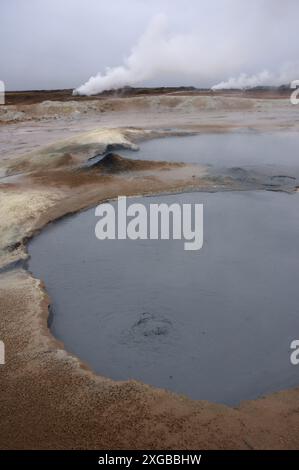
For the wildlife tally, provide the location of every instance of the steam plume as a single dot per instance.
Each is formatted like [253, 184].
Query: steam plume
[203, 58]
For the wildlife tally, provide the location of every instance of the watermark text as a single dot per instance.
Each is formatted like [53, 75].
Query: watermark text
[155, 222]
[2, 353]
[295, 95]
[2, 92]
[295, 354]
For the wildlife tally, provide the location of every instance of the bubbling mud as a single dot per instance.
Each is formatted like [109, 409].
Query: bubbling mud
[216, 324]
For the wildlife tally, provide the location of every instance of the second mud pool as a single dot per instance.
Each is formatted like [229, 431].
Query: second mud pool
[214, 324]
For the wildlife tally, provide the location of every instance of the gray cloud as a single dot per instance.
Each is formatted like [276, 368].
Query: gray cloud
[60, 44]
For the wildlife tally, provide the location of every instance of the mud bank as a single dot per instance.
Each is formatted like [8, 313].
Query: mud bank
[48, 398]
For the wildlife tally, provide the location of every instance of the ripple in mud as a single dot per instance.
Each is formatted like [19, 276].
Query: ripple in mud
[149, 326]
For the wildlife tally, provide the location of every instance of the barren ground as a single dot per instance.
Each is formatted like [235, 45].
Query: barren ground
[48, 398]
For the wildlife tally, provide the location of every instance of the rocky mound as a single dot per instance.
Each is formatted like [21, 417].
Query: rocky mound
[114, 163]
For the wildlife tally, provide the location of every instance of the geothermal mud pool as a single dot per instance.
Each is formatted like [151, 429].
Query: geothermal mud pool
[46, 390]
[215, 324]
[243, 148]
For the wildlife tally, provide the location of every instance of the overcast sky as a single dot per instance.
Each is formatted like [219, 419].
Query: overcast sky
[62, 43]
